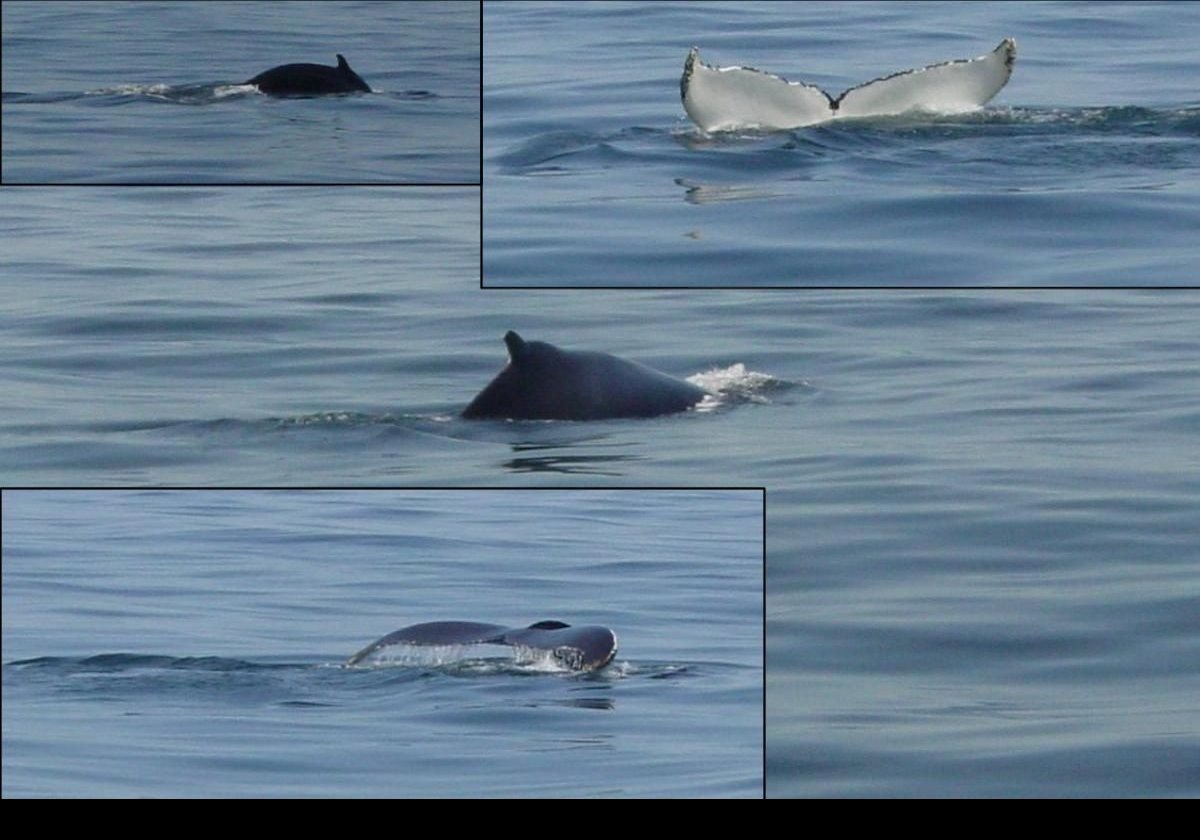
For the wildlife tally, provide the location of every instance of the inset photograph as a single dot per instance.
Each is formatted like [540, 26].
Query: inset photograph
[383, 643]
[831, 144]
[241, 93]
[283, 336]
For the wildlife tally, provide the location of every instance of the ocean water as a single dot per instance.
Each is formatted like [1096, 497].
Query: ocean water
[982, 576]
[1084, 171]
[982, 567]
[192, 643]
[143, 92]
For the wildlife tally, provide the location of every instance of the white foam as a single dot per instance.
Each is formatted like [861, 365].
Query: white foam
[134, 90]
[733, 380]
[423, 656]
[473, 658]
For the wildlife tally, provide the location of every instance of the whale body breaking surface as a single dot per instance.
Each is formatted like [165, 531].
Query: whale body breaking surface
[727, 98]
[544, 382]
[309, 79]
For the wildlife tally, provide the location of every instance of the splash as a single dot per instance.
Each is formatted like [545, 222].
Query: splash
[734, 383]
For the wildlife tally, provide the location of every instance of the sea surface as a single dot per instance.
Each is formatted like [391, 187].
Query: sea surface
[982, 573]
[149, 92]
[1084, 171]
[192, 643]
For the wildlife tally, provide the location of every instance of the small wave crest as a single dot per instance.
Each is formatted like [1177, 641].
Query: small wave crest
[116, 663]
[194, 94]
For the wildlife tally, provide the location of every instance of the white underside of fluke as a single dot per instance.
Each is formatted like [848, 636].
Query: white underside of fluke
[726, 98]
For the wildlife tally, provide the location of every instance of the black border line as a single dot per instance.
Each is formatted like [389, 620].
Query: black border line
[780, 288]
[237, 184]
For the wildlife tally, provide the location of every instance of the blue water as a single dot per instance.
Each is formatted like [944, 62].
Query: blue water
[1084, 171]
[137, 92]
[165, 644]
[982, 574]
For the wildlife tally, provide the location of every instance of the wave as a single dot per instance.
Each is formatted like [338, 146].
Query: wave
[1070, 129]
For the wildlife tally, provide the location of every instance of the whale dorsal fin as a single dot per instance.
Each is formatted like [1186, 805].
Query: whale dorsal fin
[515, 345]
[343, 65]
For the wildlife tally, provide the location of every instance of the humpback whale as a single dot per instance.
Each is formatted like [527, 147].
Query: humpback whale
[309, 79]
[577, 648]
[722, 98]
[543, 382]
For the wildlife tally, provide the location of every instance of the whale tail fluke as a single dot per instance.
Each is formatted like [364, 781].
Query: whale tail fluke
[576, 648]
[724, 98]
[950, 87]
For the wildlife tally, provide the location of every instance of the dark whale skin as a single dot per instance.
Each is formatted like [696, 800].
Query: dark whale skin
[544, 382]
[309, 79]
[578, 648]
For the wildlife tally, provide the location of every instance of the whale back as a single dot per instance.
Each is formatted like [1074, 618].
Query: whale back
[544, 382]
[309, 79]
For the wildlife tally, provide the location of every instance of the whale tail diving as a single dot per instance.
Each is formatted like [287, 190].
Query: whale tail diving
[309, 79]
[544, 382]
[576, 648]
[724, 98]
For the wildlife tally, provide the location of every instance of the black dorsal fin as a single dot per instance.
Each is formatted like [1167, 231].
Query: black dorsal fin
[549, 625]
[342, 63]
[515, 345]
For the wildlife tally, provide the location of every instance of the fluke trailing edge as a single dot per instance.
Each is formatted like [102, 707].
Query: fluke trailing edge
[723, 98]
[577, 648]
[543, 382]
[309, 79]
